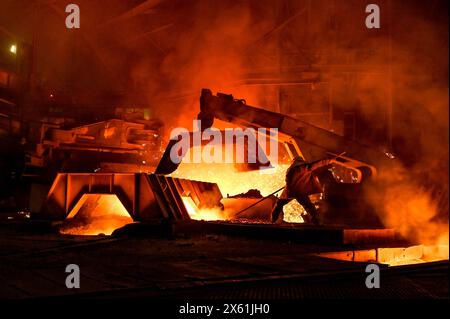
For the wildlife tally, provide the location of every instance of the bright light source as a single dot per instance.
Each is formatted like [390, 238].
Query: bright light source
[13, 49]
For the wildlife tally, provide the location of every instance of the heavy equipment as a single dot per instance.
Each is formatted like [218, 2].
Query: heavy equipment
[345, 194]
[158, 196]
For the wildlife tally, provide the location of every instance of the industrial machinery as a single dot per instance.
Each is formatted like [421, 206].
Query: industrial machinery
[44, 131]
[111, 145]
[35, 151]
[350, 172]
[158, 196]
[299, 137]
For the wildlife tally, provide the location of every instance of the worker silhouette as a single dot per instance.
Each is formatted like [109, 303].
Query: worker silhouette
[302, 180]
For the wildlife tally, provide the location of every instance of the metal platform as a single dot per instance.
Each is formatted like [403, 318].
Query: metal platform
[197, 267]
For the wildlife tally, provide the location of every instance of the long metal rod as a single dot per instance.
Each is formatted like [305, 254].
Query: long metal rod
[273, 193]
[262, 199]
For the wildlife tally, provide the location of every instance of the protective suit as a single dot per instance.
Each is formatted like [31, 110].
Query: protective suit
[301, 181]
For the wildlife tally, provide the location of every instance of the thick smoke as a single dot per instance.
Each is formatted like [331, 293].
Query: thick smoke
[214, 45]
[163, 56]
[415, 192]
[205, 48]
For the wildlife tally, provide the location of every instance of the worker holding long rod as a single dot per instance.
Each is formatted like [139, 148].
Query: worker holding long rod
[302, 180]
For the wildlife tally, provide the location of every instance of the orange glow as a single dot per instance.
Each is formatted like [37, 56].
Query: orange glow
[393, 256]
[230, 180]
[96, 214]
[13, 49]
[203, 213]
[233, 182]
[109, 132]
[411, 210]
[293, 212]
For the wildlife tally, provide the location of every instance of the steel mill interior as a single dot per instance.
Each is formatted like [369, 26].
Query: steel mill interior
[233, 149]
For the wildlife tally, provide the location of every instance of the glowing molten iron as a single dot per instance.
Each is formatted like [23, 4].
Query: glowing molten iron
[96, 214]
[393, 256]
[230, 180]
[201, 214]
[233, 182]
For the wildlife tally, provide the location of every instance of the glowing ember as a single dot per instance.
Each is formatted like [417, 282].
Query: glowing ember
[203, 213]
[96, 214]
[393, 256]
[293, 212]
[232, 182]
